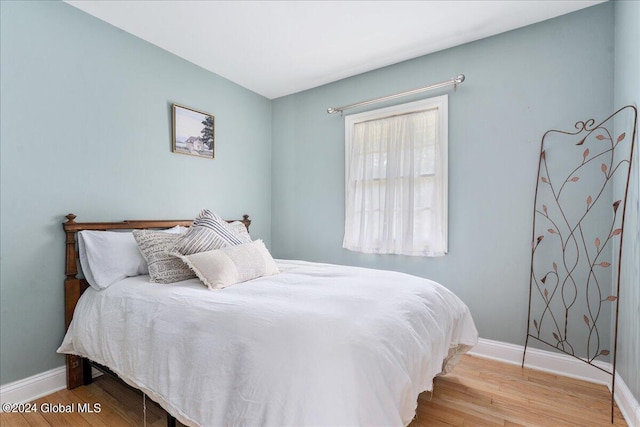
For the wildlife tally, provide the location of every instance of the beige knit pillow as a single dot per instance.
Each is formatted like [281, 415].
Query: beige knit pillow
[234, 264]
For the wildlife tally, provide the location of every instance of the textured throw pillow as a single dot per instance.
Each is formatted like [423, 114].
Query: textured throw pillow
[234, 264]
[208, 232]
[163, 267]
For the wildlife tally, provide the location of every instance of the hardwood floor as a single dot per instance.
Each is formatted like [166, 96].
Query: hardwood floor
[479, 392]
[483, 392]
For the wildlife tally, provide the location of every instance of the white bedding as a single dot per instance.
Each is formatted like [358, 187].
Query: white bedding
[318, 344]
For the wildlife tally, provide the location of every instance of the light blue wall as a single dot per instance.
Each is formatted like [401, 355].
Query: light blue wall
[85, 112]
[86, 128]
[519, 84]
[627, 91]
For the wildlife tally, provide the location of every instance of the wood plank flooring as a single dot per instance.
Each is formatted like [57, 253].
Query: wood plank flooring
[479, 392]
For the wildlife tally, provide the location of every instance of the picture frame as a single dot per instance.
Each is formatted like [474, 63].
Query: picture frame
[193, 132]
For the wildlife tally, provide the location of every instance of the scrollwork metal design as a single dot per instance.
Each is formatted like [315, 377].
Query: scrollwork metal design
[578, 220]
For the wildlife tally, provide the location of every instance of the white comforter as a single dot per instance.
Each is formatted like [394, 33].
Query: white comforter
[318, 344]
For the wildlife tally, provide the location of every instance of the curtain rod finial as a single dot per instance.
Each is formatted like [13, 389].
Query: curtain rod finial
[459, 78]
[331, 110]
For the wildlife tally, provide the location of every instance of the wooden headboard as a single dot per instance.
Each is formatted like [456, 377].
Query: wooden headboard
[78, 369]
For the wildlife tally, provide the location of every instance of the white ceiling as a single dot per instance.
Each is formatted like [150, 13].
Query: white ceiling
[276, 48]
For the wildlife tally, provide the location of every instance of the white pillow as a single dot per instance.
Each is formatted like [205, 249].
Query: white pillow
[241, 229]
[109, 256]
[178, 229]
[224, 267]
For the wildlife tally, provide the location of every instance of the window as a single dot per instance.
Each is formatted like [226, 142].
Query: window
[396, 179]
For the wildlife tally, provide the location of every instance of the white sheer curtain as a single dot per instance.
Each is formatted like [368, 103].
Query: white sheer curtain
[396, 180]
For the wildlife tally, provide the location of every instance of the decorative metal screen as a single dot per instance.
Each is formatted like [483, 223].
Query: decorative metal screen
[578, 224]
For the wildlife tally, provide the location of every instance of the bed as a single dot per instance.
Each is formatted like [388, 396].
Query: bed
[316, 344]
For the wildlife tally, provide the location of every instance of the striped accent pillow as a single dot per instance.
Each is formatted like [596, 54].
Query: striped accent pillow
[208, 232]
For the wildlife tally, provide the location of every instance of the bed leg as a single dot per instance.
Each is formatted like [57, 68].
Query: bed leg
[171, 420]
[78, 371]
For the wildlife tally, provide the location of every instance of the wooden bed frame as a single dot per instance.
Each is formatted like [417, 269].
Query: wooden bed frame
[79, 368]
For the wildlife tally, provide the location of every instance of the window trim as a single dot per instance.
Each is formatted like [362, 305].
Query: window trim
[440, 102]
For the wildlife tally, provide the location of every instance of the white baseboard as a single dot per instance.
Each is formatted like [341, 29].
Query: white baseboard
[34, 387]
[37, 386]
[542, 360]
[561, 364]
[627, 403]
[48, 382]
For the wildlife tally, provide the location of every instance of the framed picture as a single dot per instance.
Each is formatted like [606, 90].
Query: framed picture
[193, 132]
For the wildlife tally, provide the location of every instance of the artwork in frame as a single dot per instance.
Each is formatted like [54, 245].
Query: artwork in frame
[193, 132]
